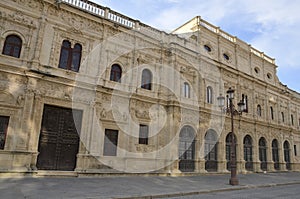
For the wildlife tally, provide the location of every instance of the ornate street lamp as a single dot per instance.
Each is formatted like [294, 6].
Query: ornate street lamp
[230, 110]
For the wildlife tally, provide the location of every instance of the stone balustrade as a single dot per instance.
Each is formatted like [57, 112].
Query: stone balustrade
[231, 38]
[118, 18]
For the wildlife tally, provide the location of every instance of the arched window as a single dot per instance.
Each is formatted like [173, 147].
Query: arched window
[282, 117]
[186, 90]
[258, 110]
[12, 46]
[263, 153]
[209, 95]
[70, 58]
[115, 73]
[210, 150]
[146, 79]
[275, 155]
[287, 158]
[271, 113]
[248, 152]
[187, 149]
[228, 149]
[245, 100]
[76, 57]
[65, 55]
[292, 119]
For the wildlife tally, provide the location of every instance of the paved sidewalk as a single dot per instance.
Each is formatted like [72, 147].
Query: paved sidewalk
[134, 186]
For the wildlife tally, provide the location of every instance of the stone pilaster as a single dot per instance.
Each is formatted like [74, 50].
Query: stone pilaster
[26, 124]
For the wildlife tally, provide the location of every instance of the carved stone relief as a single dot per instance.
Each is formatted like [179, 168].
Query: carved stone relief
[18, 17]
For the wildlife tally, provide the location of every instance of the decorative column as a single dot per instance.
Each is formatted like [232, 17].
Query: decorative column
[197, 155]
[240, 155]
[255, 152]
[270, 163]
[26, 122]
[35, 132]
[282, 164]
[221, 150]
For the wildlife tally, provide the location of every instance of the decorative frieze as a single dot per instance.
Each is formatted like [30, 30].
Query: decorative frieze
[18, 17]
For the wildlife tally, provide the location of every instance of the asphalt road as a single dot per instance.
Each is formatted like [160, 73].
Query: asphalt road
[275, 192]
[255, 185]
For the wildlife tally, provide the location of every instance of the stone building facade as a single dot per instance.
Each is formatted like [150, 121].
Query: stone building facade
[86, 89]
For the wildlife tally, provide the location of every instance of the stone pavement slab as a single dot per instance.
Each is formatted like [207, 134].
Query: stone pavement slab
[134, 186]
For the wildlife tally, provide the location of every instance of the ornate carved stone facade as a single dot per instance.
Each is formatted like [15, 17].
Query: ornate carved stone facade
[163, 124]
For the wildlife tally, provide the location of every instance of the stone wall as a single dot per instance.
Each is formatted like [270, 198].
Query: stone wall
[33, 80]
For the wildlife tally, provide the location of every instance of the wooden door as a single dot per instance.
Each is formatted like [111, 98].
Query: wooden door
[59, 138]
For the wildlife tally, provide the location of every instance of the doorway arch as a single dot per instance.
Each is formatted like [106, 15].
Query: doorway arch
[248, 153]
[275, 154]
[263, 153]
[228, 149]
[187, 149]
[210, 150]
[287, 157]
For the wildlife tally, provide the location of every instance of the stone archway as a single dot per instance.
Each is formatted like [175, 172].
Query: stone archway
[211, 150]
[228, 149]
[287, 155]
[263, 153]
[187, 149]
[248, 156]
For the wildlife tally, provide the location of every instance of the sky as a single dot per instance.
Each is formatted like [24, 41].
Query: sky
[270, 26]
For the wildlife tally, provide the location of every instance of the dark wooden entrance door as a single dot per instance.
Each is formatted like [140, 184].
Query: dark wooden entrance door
[59, 138]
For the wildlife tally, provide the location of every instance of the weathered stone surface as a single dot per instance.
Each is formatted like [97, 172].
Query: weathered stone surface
[181, 71]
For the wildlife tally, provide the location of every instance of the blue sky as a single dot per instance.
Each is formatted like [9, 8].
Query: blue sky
[271, 26]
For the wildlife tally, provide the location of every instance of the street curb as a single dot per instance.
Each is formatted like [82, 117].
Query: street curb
[241, 187]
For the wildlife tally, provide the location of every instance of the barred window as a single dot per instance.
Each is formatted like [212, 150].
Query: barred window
[143, 134]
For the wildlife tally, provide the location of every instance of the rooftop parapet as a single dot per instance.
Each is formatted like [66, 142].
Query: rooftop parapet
[128, 22]
[101, 11]
[197, 21]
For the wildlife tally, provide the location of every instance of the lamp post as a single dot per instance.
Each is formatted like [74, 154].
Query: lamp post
[230, 110]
